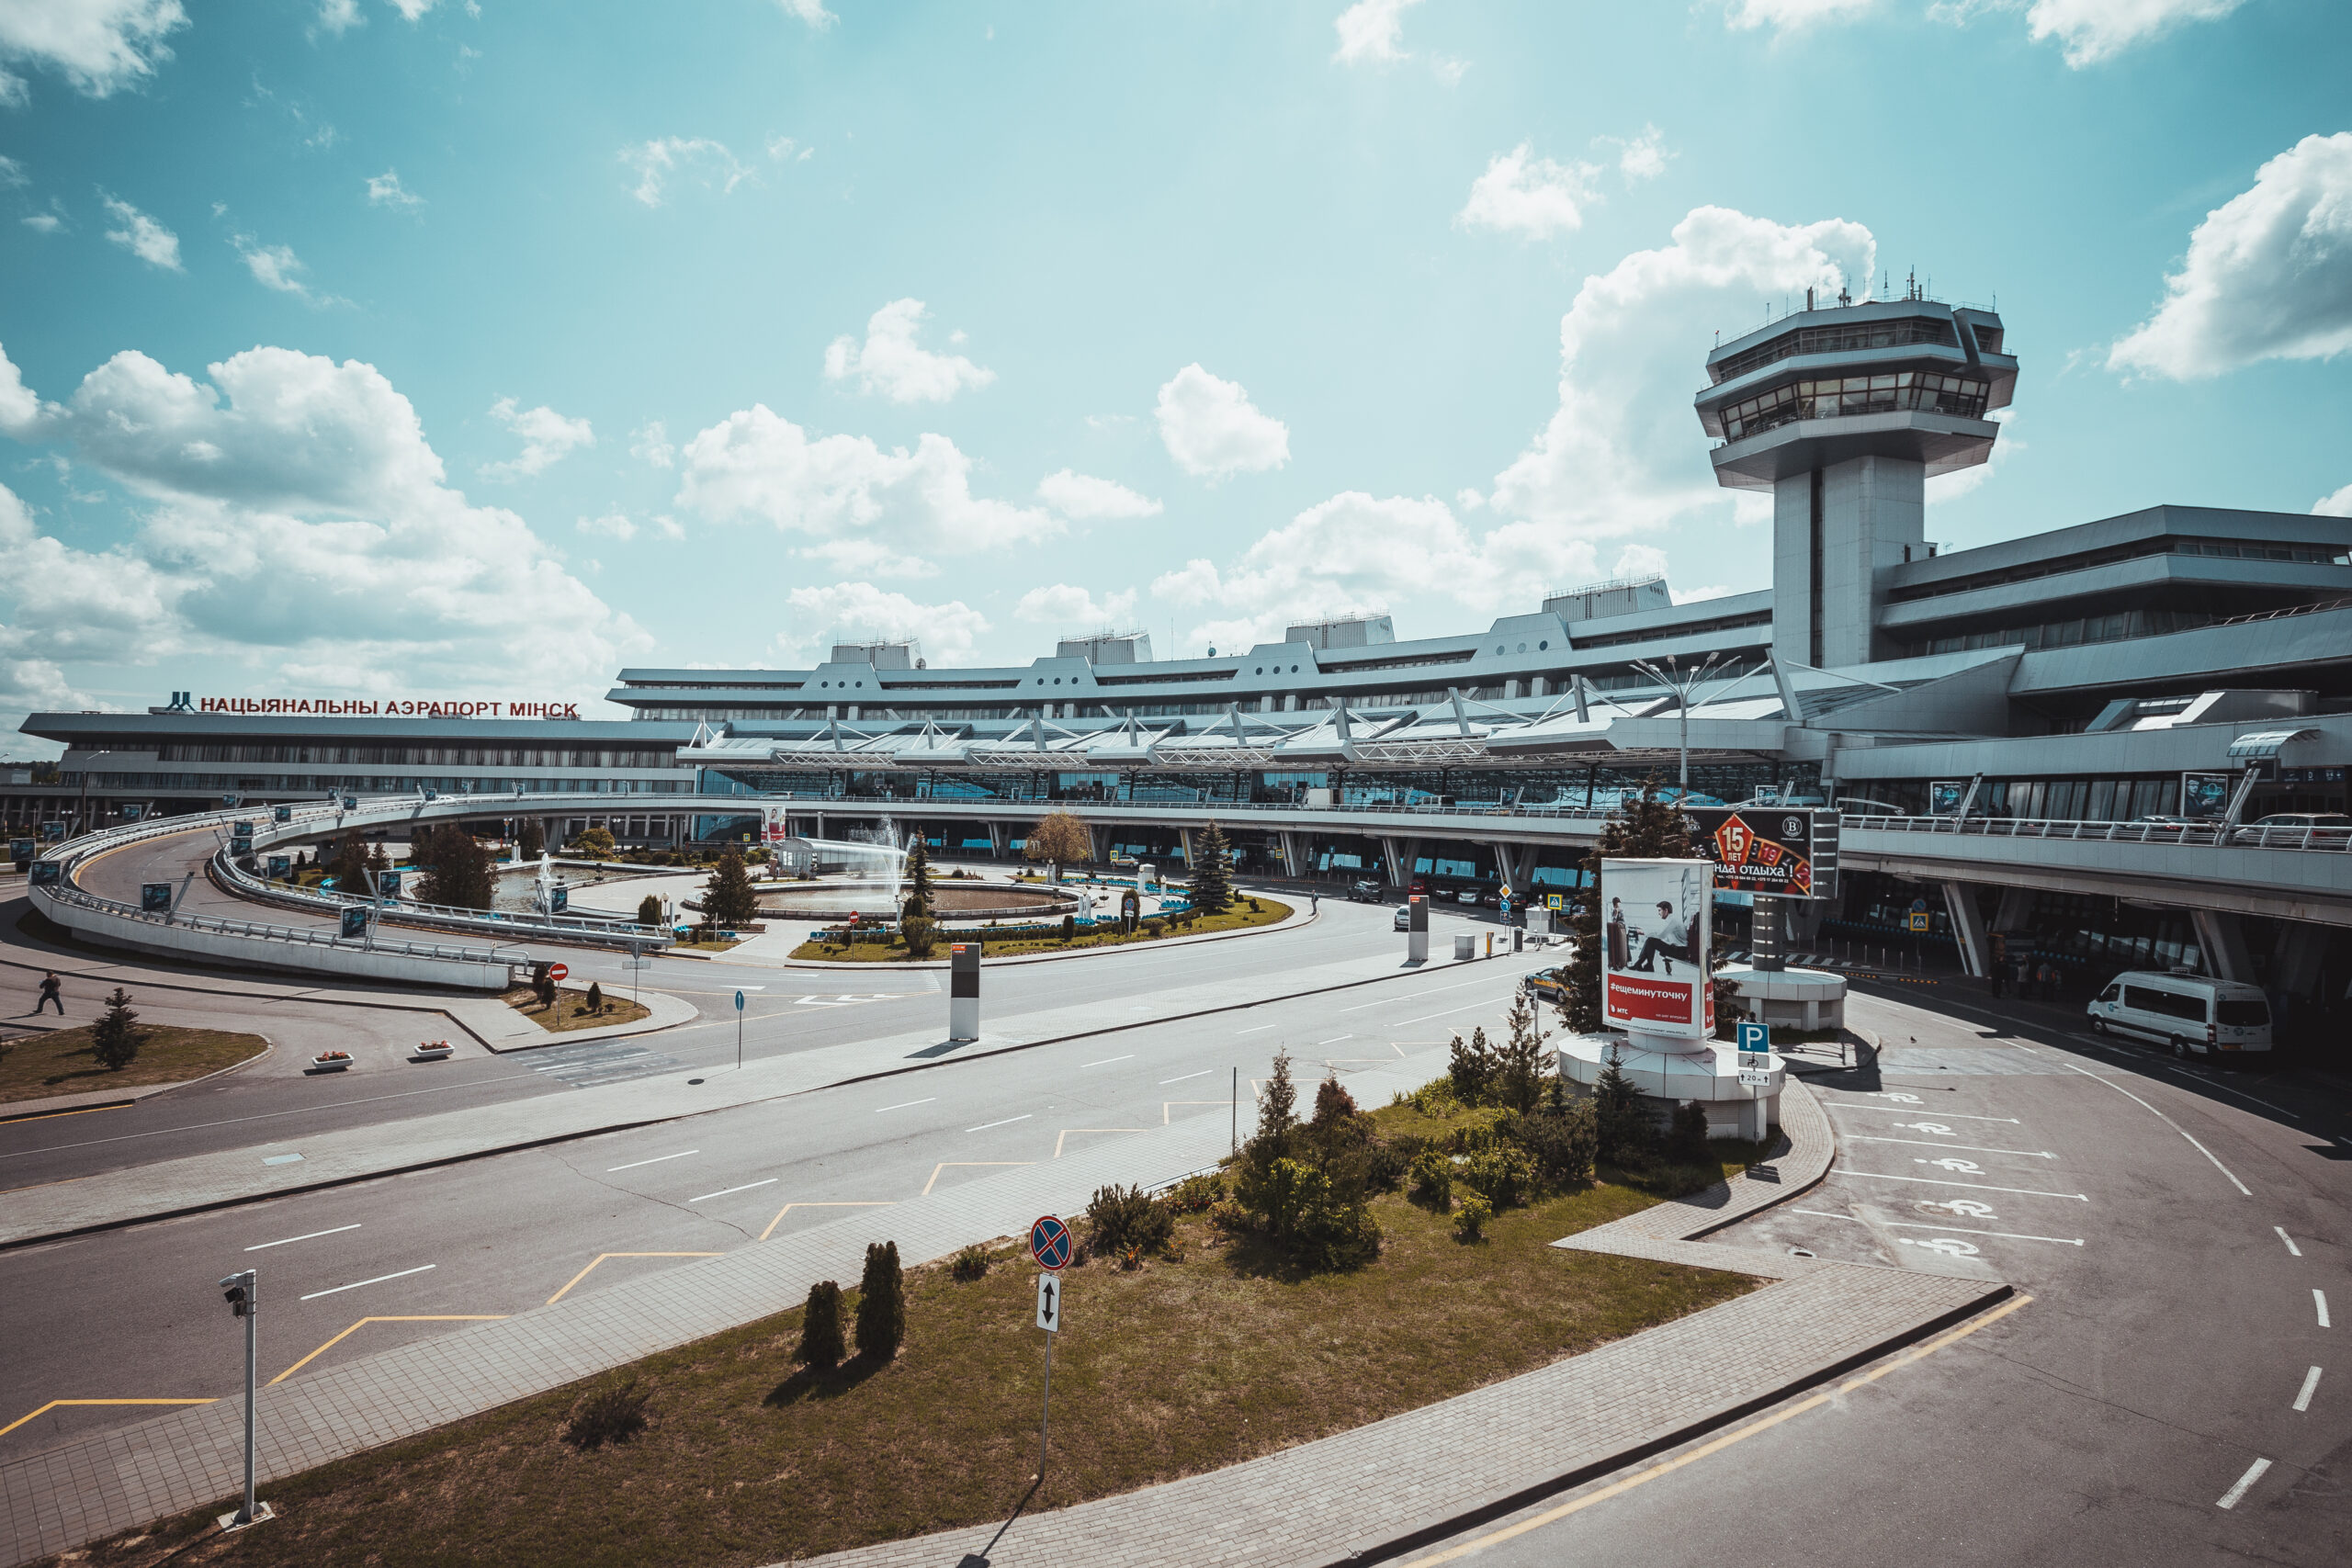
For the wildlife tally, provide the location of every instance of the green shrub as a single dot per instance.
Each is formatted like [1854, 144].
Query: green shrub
[821, 1328]
[116, 1037]
[1627, 1134]
[1070, 926]
[921, 934]
[1562, 1142]
[1385, 1165]
[649, 910]
[881, 1303]
[1686, 1138]
[1435, 1100]
[1196, 1195]
[1433, 1179]
[1470, 1219]
[1503, 1174]
[1121, 1220]
[1475, 1130]
[596, 1002]
[1155, 927]
[971, 1264]
[1470, 1067]
[613, 1413]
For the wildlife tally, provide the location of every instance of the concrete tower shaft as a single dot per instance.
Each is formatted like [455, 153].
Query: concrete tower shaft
[1842, 413]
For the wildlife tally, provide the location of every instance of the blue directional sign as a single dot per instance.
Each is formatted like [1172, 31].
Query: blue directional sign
[739, 1001]
[1050, 1244]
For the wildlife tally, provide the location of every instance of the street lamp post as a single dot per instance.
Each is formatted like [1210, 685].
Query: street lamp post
[242, 1293]
[82, 812]
[1681, 683]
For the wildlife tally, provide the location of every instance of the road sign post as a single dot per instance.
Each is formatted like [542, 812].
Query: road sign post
[1755, 1041]
[1050, 1244]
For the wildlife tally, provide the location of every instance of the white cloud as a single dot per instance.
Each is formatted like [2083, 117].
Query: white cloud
[1371, 30]
[812, 12]
[1522, 194]
[1624, 453]
[548, 437]
[2269, 273]
[2336, 505]
[44, 222]
[847, 497]
[1786, 14]
[19, 408]
[783, 149]
[697, 158]
[142, 235]
[12, 173]
[101, 46]
[669, 528]
[1211, 429]
[857, 611]
[337, 18]
[274, 267]
[649, 443]
[1639, 158]
[2093, 30]
[1073, 608]
[1086, 499]
[894, 365]
[611, 526]
[413, 10]
[386, 191]
[300, 522]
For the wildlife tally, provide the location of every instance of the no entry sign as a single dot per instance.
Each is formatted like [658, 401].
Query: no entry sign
[556, 971]
[1049, 1244]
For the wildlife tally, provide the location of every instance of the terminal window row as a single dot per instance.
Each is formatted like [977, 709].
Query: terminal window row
[664, 756]
[2304, 554]
[1836, 397]
[1845, 338]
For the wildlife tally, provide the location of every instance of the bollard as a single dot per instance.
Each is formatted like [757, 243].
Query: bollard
[964, 991]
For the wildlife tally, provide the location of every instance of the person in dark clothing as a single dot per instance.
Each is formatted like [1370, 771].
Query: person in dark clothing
[50, 988]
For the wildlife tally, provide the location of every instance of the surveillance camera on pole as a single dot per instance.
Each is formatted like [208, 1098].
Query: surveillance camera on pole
[242, 1293]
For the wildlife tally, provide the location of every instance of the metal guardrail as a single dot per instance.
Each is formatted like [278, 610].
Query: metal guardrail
[2252, 836]
[308, 936]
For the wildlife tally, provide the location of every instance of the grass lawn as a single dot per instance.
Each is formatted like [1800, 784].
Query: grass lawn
[61, 1063]
[1170, 1370]
[1270, 911]
[572, 1010]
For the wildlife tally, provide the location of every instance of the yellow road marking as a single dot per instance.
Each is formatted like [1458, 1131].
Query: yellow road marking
[945, 1164]
[868, 1204]
[55, 1404]
[602, 1256]
[1166, 1103]
[1551, 1515]
[1067, 1131]
[46, 1115]
[439, 1317]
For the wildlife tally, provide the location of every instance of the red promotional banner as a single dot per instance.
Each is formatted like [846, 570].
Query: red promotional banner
[1645, 1000]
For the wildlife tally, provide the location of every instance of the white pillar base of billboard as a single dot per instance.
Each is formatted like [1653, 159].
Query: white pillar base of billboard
[1416, 947]
[1793, 998]
[964, 1018]
[1704, 1070]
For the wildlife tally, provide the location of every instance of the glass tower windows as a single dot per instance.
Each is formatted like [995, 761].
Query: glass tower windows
[1838, 396]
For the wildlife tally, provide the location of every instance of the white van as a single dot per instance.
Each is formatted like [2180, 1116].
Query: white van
[2188, 1012]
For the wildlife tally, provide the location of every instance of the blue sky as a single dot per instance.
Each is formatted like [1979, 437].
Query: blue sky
[399, 347]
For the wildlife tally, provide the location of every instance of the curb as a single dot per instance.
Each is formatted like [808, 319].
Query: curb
[328, 1184]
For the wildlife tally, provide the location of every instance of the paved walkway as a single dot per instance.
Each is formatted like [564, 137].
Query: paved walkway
[210, 1181]
[1423, 1474]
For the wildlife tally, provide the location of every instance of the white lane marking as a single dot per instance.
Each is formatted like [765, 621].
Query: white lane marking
[1006, 1123]
[2319, 1300]
[1924, 1225]
[1108, 1060]
[1413, 996]
[1465, 1007]
[1335, 1040]
[1951, 1246]
[2169, 1122]
[378, 1279]
[2291, 1247]
[724, 1191]
[1972, 1148]
[311, 1236]
[657, 1159]
[2311, 1385]
[2253, 1473]
[1257, 1028]
[1940, 1115]
[1201, 1074]
[1970, 1186]
[926, 1099]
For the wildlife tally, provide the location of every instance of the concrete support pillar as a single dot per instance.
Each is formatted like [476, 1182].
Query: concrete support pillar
[1800, 923]
[1266, 704]
[996, 840]
[1510, 690]
[1394, 851]
[2294, 962]
[2223, 941]
[2016, 910]
[1538, 687]
[1186, 834]
[1293, 855]
[1765, 954]
[1098, 840]
[1968, 926]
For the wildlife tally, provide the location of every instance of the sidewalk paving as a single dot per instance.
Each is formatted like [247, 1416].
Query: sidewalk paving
[211, 1180]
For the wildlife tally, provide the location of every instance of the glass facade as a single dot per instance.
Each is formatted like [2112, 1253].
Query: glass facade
[1840, 396]
[1846, 337]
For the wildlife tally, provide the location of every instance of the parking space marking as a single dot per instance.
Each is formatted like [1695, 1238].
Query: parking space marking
[947, 1164]
[1412, 995]
[1940, 1115]
[1067, 1131]
[1333, 1041]
[1166, 1103]
[2243, 1188]
[1969, 1148]
[591, 1268]
[62, 1403]
[378, 1279]
[657, 1159]
[1954, 1230]
[863, 1203]
[1006, 1123]
[1253, 1029]
[2253, 1473]
[1128, 1057]
[1969, 1186]
[338, 1230]
[1449, 1012]
[2311, 1385]
[2291, 1247]
[1187, 1076]
[439, 1317]
[728, 1191]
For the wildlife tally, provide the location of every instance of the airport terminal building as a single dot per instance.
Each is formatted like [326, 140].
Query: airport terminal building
[2176, 661]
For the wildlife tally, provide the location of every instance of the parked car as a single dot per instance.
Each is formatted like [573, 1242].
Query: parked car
[1366, 892]
[2304, 819]
[2188, 1012]
[1467, 896]
[1404, 917]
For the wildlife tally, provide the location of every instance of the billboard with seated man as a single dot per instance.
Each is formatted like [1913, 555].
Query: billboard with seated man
[1656, 931]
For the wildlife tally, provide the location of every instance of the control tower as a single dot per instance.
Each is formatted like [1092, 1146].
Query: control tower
[1842, 412]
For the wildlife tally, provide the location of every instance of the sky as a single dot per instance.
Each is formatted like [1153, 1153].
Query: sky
[428, 348]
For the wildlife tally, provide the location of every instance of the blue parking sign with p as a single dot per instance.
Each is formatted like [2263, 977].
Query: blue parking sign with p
[1755, 1041]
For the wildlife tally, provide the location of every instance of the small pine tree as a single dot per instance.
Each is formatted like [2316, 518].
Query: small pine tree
[1470, 1067]
[1519, 1074]
[917, 905]
[597, 843]
[596, 998]
[1625, 1131]
[350, 866]
[379, 860]
[881, 1303]
[116, 1037]
[821, 1328]
[728, 898]
[649, 910]
[1686, 1140]
[1277, 1109]
[1213, 876]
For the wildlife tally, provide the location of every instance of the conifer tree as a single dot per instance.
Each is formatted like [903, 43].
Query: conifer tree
[1213, 876]
[821, 1328]
[116, 1037]
[918, 881]
[881, 1303]
[728, 898]
[1519, 1071]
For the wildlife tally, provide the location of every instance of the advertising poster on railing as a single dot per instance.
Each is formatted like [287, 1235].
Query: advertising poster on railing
[1656, 930]
[2205, 797]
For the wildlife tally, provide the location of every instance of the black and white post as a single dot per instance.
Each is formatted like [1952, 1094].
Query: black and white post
[964, 991]
[242, 1293]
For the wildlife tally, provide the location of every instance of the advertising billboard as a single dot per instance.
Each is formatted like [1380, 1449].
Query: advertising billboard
[2204, 797]
[1758, 849]
[1944, 797]
[1656, 930]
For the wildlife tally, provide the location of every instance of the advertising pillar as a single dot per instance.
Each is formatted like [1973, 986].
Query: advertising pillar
[1417, 928]
[964, 991]
[1657, 925]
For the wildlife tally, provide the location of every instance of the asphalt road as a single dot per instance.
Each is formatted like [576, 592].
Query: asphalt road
[2167, 1353]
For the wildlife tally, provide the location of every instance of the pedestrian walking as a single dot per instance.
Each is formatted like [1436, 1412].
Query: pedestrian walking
[50, 989]
[1314, 903]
